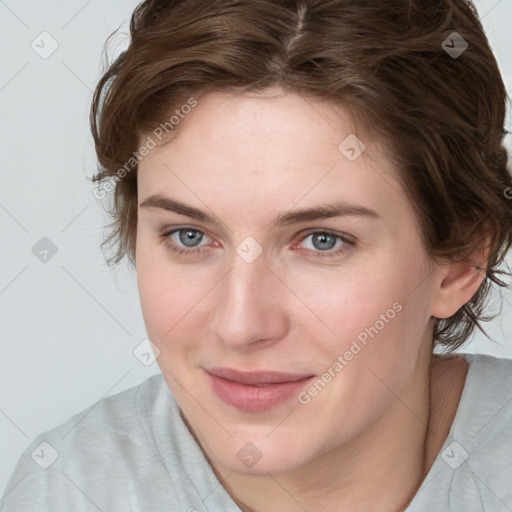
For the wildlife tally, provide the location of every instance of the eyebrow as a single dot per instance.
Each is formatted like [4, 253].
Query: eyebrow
[336, 209]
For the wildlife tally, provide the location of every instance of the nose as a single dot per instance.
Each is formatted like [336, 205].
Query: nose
[249, 306]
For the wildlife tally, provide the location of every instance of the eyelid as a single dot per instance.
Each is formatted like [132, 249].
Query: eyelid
[168, 230]
[344, 236]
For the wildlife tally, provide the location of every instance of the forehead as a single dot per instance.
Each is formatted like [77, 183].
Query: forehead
[227, 119]
[269, 152]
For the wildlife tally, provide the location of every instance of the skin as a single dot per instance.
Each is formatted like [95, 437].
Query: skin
[359, 444]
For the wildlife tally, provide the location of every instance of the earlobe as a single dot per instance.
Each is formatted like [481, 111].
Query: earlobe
[458, 282]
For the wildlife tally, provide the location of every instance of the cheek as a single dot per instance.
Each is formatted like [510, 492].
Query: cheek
[170, 297]
[353, 298]
[374, 310]
[161, 304]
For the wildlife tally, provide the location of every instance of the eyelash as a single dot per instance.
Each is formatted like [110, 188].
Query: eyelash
[331, 253]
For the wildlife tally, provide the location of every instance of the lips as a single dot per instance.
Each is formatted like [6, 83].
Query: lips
[255, 391]
[256, 378]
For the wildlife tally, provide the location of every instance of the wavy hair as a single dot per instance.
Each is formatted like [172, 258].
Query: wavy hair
[396, 65]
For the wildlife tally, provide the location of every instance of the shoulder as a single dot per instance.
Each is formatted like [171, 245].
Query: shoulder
[486, 404]
[480, 440]
[483, 371]
[489, 377]
[486, 400]
[472, 470]
[108, 420]
[87, 457]
[480, 420]
[486, 360]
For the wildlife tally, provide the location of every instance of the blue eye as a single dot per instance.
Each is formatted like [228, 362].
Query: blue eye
[326, 244]
[323, 241]
[189, 237]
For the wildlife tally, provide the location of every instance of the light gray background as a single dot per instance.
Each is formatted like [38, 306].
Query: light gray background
[69, 325]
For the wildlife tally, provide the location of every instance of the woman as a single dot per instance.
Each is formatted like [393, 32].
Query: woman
[315, 195]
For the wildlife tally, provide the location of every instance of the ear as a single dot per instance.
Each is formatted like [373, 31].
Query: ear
[458, 281]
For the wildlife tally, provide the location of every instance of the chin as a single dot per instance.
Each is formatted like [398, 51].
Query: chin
[259, 454]
[262, 462]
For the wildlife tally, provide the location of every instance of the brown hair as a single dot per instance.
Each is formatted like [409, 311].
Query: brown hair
[387, 61]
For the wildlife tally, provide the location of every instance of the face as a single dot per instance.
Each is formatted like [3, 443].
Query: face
[281, 332]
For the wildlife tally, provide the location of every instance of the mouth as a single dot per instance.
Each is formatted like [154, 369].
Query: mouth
[255, 391]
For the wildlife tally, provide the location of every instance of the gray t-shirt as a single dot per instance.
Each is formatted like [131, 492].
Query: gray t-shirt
[133, 452]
